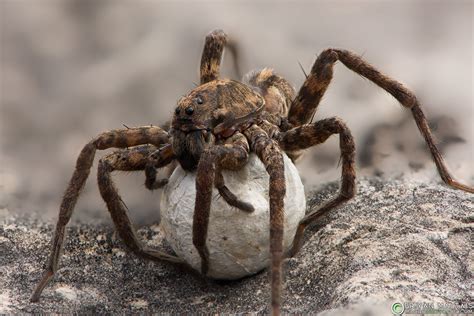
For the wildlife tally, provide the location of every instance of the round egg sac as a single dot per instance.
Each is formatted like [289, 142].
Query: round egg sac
[238, 242]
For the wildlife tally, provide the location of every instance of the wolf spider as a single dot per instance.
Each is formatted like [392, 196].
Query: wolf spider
[214, 128]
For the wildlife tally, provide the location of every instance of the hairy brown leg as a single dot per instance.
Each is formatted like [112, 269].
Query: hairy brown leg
[305, 104]
[231, 155]
[305, 136]
[212, 55]
[159, 158]
[228, 196]
[270, 154]
[133, 159]
[115, 138]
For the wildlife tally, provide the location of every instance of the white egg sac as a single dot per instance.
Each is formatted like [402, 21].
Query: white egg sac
[238, 242]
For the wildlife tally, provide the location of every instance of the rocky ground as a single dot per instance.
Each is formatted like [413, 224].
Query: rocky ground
[397, 240]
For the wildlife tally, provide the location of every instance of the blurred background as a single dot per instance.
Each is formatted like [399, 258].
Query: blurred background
[72, 69]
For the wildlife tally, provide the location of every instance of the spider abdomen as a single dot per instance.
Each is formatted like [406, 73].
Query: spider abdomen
[238, 241]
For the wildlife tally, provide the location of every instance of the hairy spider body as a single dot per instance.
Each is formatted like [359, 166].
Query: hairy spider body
[214, 128]
[198, 114]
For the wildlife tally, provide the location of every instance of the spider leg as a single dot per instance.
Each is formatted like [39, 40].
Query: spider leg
[231, 155]
[133, 159]
[115, 138]
[305, 136]
[228, 196]
[212, 55]
[157, 159]
[270, 154]
[305, 104]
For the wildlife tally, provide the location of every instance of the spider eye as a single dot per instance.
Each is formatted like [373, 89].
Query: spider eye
[199, 100]
[189, 111]
[177, 111]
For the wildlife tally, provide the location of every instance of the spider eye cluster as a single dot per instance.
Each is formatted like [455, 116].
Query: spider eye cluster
[189, 111]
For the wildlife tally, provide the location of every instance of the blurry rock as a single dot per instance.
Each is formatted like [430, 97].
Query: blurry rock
[397, 241]
[389, 148]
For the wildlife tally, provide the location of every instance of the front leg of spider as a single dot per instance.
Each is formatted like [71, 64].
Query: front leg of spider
[228, 196]
[157, 159]
[270, 154]
[231, 156]
[112, 139]
[133, 159]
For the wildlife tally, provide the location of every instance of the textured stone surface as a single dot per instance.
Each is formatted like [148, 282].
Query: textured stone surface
[238, 242]
[396, 241]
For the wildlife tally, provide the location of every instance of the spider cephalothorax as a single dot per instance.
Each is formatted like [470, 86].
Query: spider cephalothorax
[214, 128]
[219, 103]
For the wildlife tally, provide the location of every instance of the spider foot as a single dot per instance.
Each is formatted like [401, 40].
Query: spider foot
[233, 200]
[151, 183]
[205, 264]
[204, 254]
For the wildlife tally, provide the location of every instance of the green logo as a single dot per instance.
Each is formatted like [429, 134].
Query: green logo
[398, 308]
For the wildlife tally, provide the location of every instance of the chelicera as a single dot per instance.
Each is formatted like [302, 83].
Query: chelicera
[214, 128]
